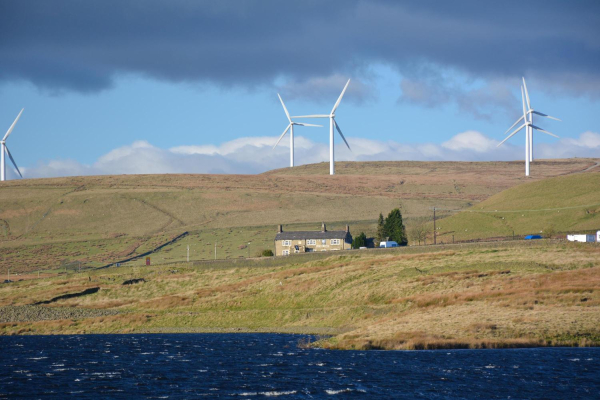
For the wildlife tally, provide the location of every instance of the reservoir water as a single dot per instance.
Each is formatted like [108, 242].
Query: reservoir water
[178, 366]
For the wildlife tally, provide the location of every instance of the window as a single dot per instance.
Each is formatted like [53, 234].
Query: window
[287, 243]
[285, 252]
[311, 241]
[323, 242]
[335, 241]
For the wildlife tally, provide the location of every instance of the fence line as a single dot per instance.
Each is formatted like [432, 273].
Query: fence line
[518, 211]
[184, 234]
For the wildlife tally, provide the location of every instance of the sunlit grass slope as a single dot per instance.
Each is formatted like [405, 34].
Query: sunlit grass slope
[562, 204]
[475, 295]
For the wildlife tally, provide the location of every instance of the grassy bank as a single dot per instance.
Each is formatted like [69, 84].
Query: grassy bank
[480, 295]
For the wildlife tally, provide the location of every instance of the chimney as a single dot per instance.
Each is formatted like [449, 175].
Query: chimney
[347, 228]
[323, 228]
[279, 228]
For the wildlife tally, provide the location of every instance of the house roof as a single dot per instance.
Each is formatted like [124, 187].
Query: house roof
[302, 235]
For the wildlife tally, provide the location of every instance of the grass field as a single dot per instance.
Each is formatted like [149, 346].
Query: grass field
[474, 295]
[95, 220]
[561, 204]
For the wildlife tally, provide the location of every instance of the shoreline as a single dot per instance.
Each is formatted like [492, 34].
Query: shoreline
[327, 339]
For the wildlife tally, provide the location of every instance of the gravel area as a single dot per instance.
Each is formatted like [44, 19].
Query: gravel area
[39, 313]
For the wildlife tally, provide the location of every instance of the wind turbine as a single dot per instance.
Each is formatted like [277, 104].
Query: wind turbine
[528, 125]
[4, 149]
[291, 128]
[530, 112]
[332, 124]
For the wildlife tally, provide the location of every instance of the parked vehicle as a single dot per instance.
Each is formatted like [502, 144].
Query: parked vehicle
[388, 244]
[582, 238]
[530, 237]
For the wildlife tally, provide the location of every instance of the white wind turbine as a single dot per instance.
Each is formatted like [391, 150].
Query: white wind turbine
[4, 149]
[530, 112]
[528, 125]
[291, 129]
[332, 124]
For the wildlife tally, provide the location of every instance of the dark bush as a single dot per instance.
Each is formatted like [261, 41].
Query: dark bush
[359, 241]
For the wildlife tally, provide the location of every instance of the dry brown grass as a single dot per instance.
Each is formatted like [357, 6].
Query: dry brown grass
[497, 295]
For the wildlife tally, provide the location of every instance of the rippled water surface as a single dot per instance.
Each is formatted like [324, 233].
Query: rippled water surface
[269, 365]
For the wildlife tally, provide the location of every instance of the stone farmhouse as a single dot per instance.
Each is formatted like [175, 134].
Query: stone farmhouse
[287, 243]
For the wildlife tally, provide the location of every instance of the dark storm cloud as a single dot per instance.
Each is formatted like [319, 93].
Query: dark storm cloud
[84, 45]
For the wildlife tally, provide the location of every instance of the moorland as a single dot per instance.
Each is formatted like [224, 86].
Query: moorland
[59, 233]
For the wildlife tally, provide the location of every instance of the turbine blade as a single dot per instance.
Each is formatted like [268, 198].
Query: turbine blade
[341, 134]
[282, 135]
[337, 103]
[303, 124]
[524, 109]
[526, 94]
[13, 160]
[542, 130]
[311, 116]
[512, 134]
[13, 125]
[284, 109]
[545, 115]
[513, 125]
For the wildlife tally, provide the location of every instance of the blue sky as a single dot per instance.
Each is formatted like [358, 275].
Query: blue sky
[112, 87]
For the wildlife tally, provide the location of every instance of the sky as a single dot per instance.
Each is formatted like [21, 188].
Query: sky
[132, 87]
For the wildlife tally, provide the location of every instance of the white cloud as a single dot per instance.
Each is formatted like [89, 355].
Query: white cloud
[587, 145]
[255, 154]
[471, 140]
[586, 139]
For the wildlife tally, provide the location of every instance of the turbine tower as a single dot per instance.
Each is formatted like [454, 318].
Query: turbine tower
[291, 128]
[528, 125]
[4, 149]
[332, 124]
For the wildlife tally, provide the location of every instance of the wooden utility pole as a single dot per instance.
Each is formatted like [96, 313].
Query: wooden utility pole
[188, 253]
[434, 231]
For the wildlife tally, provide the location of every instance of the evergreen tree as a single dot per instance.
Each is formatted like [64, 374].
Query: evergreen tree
[381, 234]
[394, 227]
[359, 241]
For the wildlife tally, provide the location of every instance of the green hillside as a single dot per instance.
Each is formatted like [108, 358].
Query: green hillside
[562, 204]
